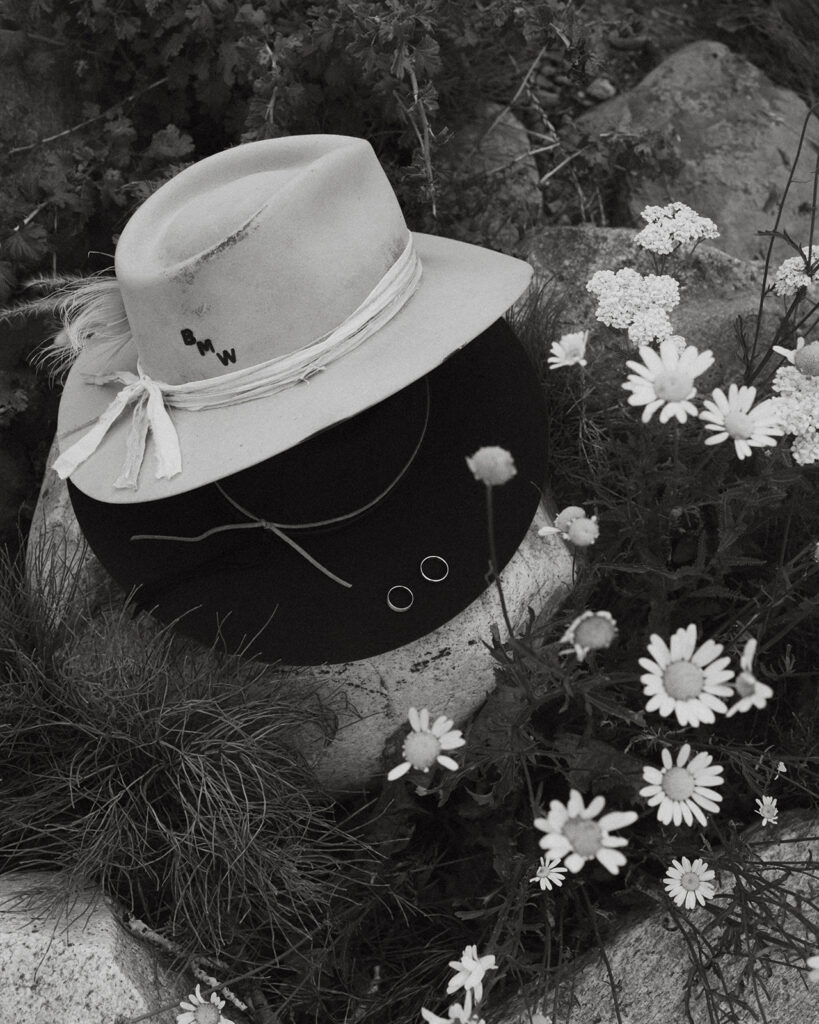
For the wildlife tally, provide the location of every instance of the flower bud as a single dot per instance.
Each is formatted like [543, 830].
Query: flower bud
[492, 465]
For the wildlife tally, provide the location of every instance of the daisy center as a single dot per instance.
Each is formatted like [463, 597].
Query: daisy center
[682, 679]
[744, 685]
[739, 424]
[421, 749]
[594, 633]
[691, 881]
[584, 835]
[678, 783]
[673, 386]
[207, 1013]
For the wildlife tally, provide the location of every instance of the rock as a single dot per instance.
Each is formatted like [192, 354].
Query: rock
[496, 177]
[650, 962]
[450, 671]
[715, 287]
[737, 135]
[69, 959]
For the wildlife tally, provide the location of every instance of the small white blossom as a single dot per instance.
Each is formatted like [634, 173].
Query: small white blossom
[689, 883]
[591, 631]
[789, 353]
[470, 969]
[550, 872]
[569, 351]
[768, 809]
[732, 416]
[813, 965]
[679, 792]
[198, 1010]
[672, 225]
[457, 1014]
[573, 836]
[575, 526]
[492, 465]
[424, 745]
[752, 693]
[665, 380]
[780, 769]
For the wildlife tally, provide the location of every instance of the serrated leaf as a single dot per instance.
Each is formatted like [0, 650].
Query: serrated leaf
[27, 245]
[169, 144]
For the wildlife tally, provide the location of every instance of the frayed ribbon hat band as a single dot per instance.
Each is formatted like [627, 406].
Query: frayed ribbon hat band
[152, 398]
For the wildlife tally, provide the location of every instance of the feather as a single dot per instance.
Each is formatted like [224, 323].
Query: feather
[91, 310]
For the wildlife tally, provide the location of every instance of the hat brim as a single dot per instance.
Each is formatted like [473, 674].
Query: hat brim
[247, 590]
[464, 288]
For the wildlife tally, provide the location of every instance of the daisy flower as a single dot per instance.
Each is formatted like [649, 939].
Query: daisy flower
[457, 1013]
[423, 746]
[789, 353]
[492, 465]
[200, 1011]
[470, 971]
[689, 883]
[813, 964]
[752, 693]
[767, 808]
[591, 631]
[665, 381]
[574, 526]
[574, 837]
[679, 791]
[569, 351]
[686, 679]
[550, 872]
[732, 416]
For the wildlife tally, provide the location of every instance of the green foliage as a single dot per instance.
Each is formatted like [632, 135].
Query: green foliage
[165, 83]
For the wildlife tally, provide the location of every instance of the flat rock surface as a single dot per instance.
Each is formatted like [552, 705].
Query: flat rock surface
[736, 134]
[77, 963]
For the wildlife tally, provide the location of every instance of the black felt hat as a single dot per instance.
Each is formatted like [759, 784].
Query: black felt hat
[382, 489]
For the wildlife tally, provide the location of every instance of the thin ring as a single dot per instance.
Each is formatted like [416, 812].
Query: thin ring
[396, 607]
[442, 576]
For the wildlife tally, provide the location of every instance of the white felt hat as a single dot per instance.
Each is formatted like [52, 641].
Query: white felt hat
[269, 292]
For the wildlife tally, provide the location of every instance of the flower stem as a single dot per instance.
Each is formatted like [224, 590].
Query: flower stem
[493, 560]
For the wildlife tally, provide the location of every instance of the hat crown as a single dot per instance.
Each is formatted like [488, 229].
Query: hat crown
[255, 253]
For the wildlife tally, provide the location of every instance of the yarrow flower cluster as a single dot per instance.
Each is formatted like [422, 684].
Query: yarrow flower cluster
[796, 408]
[734, 415]
[670, 226]
[569, 351]
[635, 303]
[574, 526]
[665, 381]
[797, 272]
[424, 746]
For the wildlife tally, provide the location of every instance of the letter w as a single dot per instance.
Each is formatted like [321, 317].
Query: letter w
[226, 356]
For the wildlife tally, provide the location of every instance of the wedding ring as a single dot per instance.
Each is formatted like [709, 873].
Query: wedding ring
[404, 599]
[437, 568]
